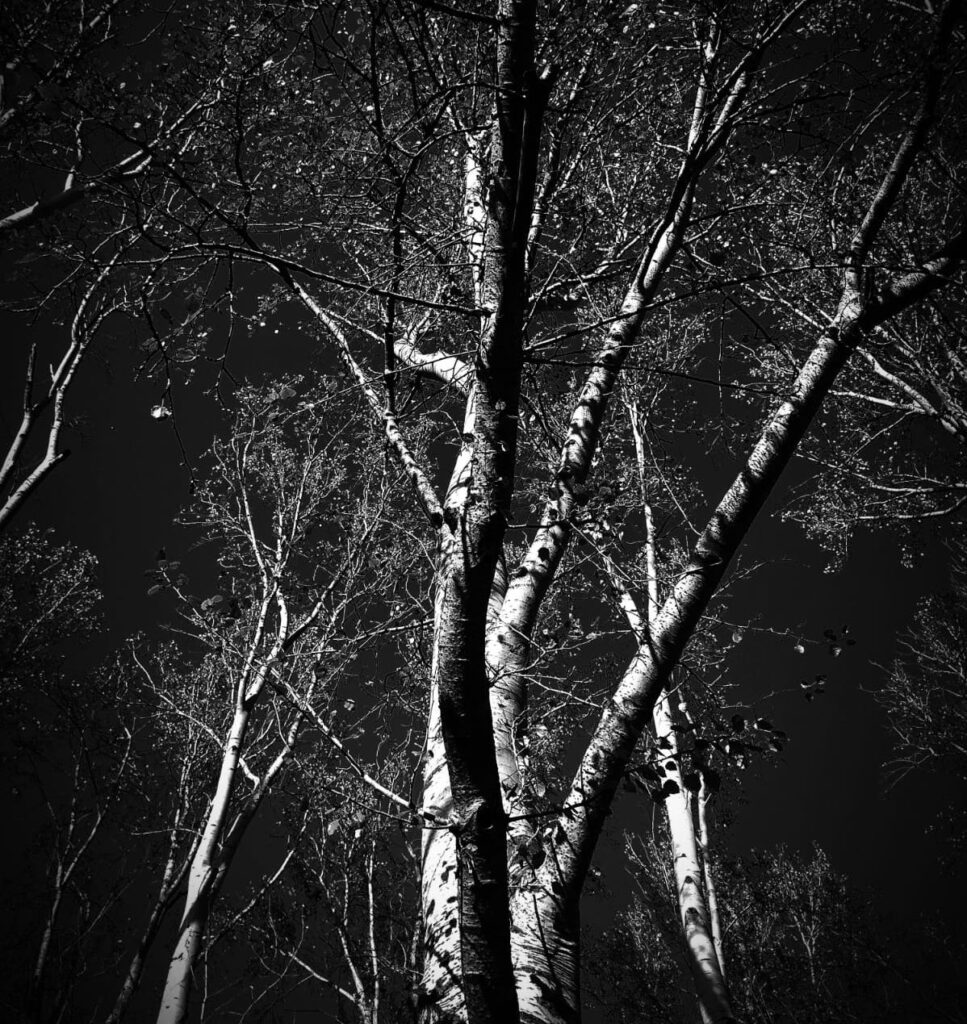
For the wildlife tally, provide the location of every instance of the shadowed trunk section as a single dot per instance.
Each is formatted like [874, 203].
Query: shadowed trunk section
[473, 534]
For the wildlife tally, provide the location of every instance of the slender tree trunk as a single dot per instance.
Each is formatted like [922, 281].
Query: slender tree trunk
[546, 918]
[170, 881]
[709, 876]
[576, 832]
[35, 994]
[703, 961]
[201, 879]
[132, 978]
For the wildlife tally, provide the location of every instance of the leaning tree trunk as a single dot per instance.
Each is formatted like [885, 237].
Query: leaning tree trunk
[202, 876]
[575, 834]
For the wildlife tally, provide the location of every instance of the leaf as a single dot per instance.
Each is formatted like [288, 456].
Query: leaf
[693, 781]
[157, 588]
[332, 828]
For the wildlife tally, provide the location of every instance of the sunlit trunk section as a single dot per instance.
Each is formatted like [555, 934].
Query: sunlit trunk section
[202, 876]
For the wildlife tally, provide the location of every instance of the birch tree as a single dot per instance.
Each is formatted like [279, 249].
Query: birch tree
[479, 215]
[278, 642]
[805, 942]
[84, 782]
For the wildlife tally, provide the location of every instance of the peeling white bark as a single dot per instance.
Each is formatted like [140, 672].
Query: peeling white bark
[546, 957]
[709, 875]
[441, 995]
[702, 952]
[475, 209]
[201, 878]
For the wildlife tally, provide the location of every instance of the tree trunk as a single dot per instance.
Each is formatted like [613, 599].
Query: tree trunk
[441, 994]
[709, 875]
[547, 956]
[472, 544]
[703, 961]
[201, 879]
[607, 756]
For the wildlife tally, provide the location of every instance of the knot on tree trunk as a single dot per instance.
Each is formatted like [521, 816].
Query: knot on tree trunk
[477, 819]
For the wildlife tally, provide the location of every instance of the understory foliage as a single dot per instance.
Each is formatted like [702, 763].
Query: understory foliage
[459, 319]
[803, 943]
[924, 695]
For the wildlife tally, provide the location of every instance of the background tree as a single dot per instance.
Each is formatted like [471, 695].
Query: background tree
[923, 694]
[802, 941]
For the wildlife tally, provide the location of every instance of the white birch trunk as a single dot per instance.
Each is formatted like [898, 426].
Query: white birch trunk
[201, 878]
[441, 996]
[474, 209]
[547, 956]
[701, 951]
[703, 962]
[170, 881]
[627, 712]
[709, 875]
